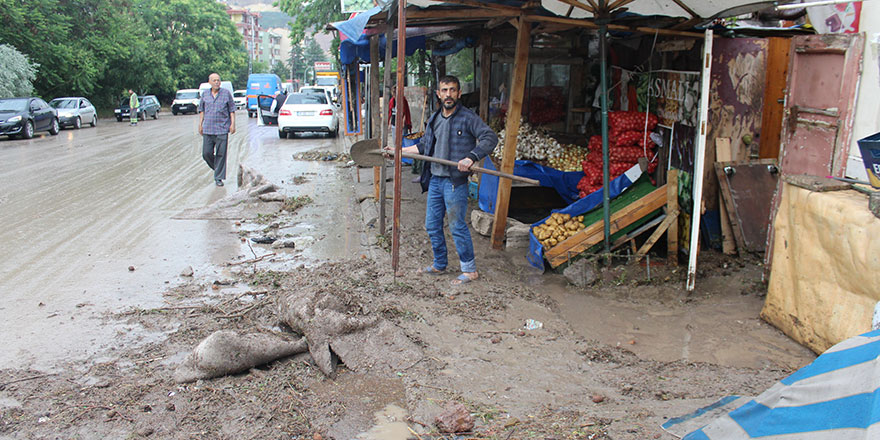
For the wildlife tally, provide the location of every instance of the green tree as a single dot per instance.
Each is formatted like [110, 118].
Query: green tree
[17, 73]
[281, 70]
[260, 67]
[312, 16]
[313, 52]
[196, 38]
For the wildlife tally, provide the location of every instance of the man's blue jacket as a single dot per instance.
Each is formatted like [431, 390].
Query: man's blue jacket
[469, 137]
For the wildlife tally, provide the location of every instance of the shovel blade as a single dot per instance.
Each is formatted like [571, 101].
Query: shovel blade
[366, 153]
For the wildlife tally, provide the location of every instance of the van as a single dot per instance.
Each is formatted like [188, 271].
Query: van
[261, 84]
[204, 87]
[186, 101]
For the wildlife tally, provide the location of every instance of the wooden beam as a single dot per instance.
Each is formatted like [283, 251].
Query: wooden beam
[398, 134]
[375, 110]
[454, 14]
[579, 5]
[495, 22]
[514, 112]
[724, 153]
[485, 66]
[671, 217]
[593, 4]
[618, 4]
[492, 6]
[386, 84]
[672, 205]
[687, 9]
[594, 233]
[612, 27]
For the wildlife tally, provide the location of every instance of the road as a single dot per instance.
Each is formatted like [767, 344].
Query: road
[78, 209]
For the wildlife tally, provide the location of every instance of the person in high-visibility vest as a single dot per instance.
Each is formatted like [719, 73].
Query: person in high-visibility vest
[133, 106]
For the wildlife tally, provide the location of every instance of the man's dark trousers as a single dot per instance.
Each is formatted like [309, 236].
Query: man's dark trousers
[214, 153]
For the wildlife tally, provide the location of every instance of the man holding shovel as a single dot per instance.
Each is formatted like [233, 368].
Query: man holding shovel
[453, 133]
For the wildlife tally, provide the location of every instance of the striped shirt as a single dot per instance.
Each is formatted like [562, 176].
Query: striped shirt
[217, 110]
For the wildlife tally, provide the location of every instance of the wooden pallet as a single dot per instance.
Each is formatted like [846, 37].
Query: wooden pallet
[595, 233]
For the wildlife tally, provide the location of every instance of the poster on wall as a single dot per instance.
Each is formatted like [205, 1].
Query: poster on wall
[836, 19]
[671, 95]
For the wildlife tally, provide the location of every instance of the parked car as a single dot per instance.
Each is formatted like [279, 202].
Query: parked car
[303, 112]
[185, 101]
[21, 117]
[240, 97]
[74, 112]
[149, 106]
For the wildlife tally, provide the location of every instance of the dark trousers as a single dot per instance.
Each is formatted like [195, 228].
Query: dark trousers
[214, 153]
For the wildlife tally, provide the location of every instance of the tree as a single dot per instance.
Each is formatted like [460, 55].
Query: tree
[17, 73]
[312, 16]
[280, 69]
[196, 38]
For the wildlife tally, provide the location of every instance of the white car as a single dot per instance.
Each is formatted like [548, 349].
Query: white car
[240, 98]
[185, 101]
[75, 112]
[307, 112]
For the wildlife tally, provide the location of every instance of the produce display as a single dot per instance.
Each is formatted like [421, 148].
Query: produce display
[557, 228]
[535, 145]
[628, 141]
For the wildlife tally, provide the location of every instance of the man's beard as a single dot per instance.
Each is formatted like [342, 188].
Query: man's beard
[449, 106]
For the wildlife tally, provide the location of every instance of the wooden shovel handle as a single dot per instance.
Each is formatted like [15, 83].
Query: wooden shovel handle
[476, 168]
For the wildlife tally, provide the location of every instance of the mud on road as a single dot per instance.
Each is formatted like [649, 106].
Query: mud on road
[604, 364]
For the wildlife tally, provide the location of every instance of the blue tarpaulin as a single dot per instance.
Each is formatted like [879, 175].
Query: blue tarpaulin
[356, 44]
[836, 396]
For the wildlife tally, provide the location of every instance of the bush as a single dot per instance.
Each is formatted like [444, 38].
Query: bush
[17, 73]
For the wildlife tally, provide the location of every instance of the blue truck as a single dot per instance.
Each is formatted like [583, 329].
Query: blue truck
[261, 84]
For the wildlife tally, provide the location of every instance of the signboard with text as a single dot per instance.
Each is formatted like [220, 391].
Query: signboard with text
[322, 66]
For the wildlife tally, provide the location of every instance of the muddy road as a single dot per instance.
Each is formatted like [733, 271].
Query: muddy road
[90, 346]
[78, 209]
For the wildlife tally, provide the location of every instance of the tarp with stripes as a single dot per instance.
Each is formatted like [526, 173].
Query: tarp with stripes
[837, 396]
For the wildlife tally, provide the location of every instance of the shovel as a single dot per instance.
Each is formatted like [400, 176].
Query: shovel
[366, 153]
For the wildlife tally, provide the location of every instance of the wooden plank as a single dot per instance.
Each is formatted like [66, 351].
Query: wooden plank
[641, 230]
[774, 96]
[672, 206]
[386, 84]
[670, 218]
[724, 186]
[724, 153]
[594, 233]
[485, 70]
[514, 113]
[611, 27]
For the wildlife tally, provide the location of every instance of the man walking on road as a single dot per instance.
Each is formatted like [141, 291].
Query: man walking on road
[216, 123]
[133, 106]
[453, 133]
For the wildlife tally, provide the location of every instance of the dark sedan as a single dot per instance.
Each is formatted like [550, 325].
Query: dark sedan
[149, 106]
[21, 117]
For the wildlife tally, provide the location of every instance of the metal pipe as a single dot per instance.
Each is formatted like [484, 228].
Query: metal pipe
[606, 193]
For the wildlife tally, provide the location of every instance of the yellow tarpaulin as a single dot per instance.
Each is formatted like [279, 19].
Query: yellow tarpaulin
[825, 278]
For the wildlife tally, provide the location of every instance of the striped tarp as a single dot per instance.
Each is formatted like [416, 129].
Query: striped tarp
[835, 397]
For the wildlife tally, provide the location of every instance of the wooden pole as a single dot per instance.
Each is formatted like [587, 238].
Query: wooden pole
[699, 161]
[511, 128]
[386, 84]
[672, 206]
[375, 112]
[485, 66]
[398, 132]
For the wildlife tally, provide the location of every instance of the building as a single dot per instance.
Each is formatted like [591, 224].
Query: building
[248, 25]
[270, 47]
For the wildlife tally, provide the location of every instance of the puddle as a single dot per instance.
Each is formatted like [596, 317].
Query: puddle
[390, 425]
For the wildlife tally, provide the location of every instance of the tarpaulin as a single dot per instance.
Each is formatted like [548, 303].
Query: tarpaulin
[836, 396]
[353, 50]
